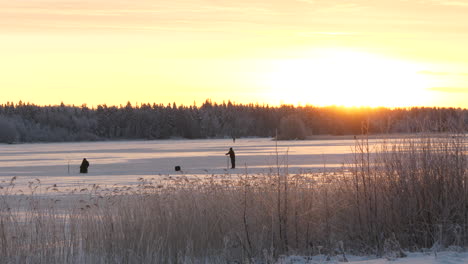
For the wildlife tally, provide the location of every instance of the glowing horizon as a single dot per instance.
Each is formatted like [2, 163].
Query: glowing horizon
[300, 52]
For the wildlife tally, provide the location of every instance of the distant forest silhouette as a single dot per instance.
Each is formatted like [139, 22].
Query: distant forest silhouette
[24, 122]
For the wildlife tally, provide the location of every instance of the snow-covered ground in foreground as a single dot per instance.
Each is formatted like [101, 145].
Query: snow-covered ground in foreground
[123, 162]
[446, 257]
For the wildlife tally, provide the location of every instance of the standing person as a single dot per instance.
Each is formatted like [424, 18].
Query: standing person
[84, 166]
[233, 158]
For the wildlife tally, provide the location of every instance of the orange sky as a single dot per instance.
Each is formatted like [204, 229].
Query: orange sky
[322, 52]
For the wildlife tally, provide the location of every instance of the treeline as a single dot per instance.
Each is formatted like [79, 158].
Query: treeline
[25, 122]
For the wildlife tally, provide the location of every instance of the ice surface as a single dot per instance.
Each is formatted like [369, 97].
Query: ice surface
[445, 257]
[123, 162]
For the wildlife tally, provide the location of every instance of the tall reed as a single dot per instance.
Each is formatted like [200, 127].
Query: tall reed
[409, 192]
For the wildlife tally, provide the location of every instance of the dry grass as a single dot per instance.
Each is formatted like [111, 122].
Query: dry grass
[409, 193]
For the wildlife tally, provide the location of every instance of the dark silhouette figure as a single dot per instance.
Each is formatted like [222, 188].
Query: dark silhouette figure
[233, 158]
[233, 139]
[177, 168]
[84, 166]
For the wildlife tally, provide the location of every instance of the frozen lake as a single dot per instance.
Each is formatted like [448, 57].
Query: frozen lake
[123, 162]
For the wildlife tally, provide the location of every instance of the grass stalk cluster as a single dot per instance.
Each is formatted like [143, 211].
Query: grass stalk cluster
[406, 194]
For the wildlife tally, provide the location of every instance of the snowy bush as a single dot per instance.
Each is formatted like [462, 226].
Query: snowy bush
[291, 127]
[8, 133]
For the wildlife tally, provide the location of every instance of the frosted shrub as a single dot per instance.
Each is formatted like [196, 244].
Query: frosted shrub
[392, 249]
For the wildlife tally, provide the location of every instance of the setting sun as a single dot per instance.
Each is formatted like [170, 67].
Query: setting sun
[347, 78]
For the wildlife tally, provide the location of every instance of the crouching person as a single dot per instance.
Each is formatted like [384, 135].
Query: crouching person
[84, 166]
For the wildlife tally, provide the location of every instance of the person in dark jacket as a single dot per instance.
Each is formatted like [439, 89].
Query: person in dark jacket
[233, 158]
[84, 166]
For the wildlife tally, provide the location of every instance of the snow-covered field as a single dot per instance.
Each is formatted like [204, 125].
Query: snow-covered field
[123, 162]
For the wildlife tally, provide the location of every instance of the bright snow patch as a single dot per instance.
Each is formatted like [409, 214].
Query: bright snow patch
[447, 257]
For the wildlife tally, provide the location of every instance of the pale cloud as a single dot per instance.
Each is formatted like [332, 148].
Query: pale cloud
[435, 73]
[307, 1]
[453, 3]
[448, 89]
[459, 3]
[341, 7]
[330, 34]
[138, 15]
[325, 17]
